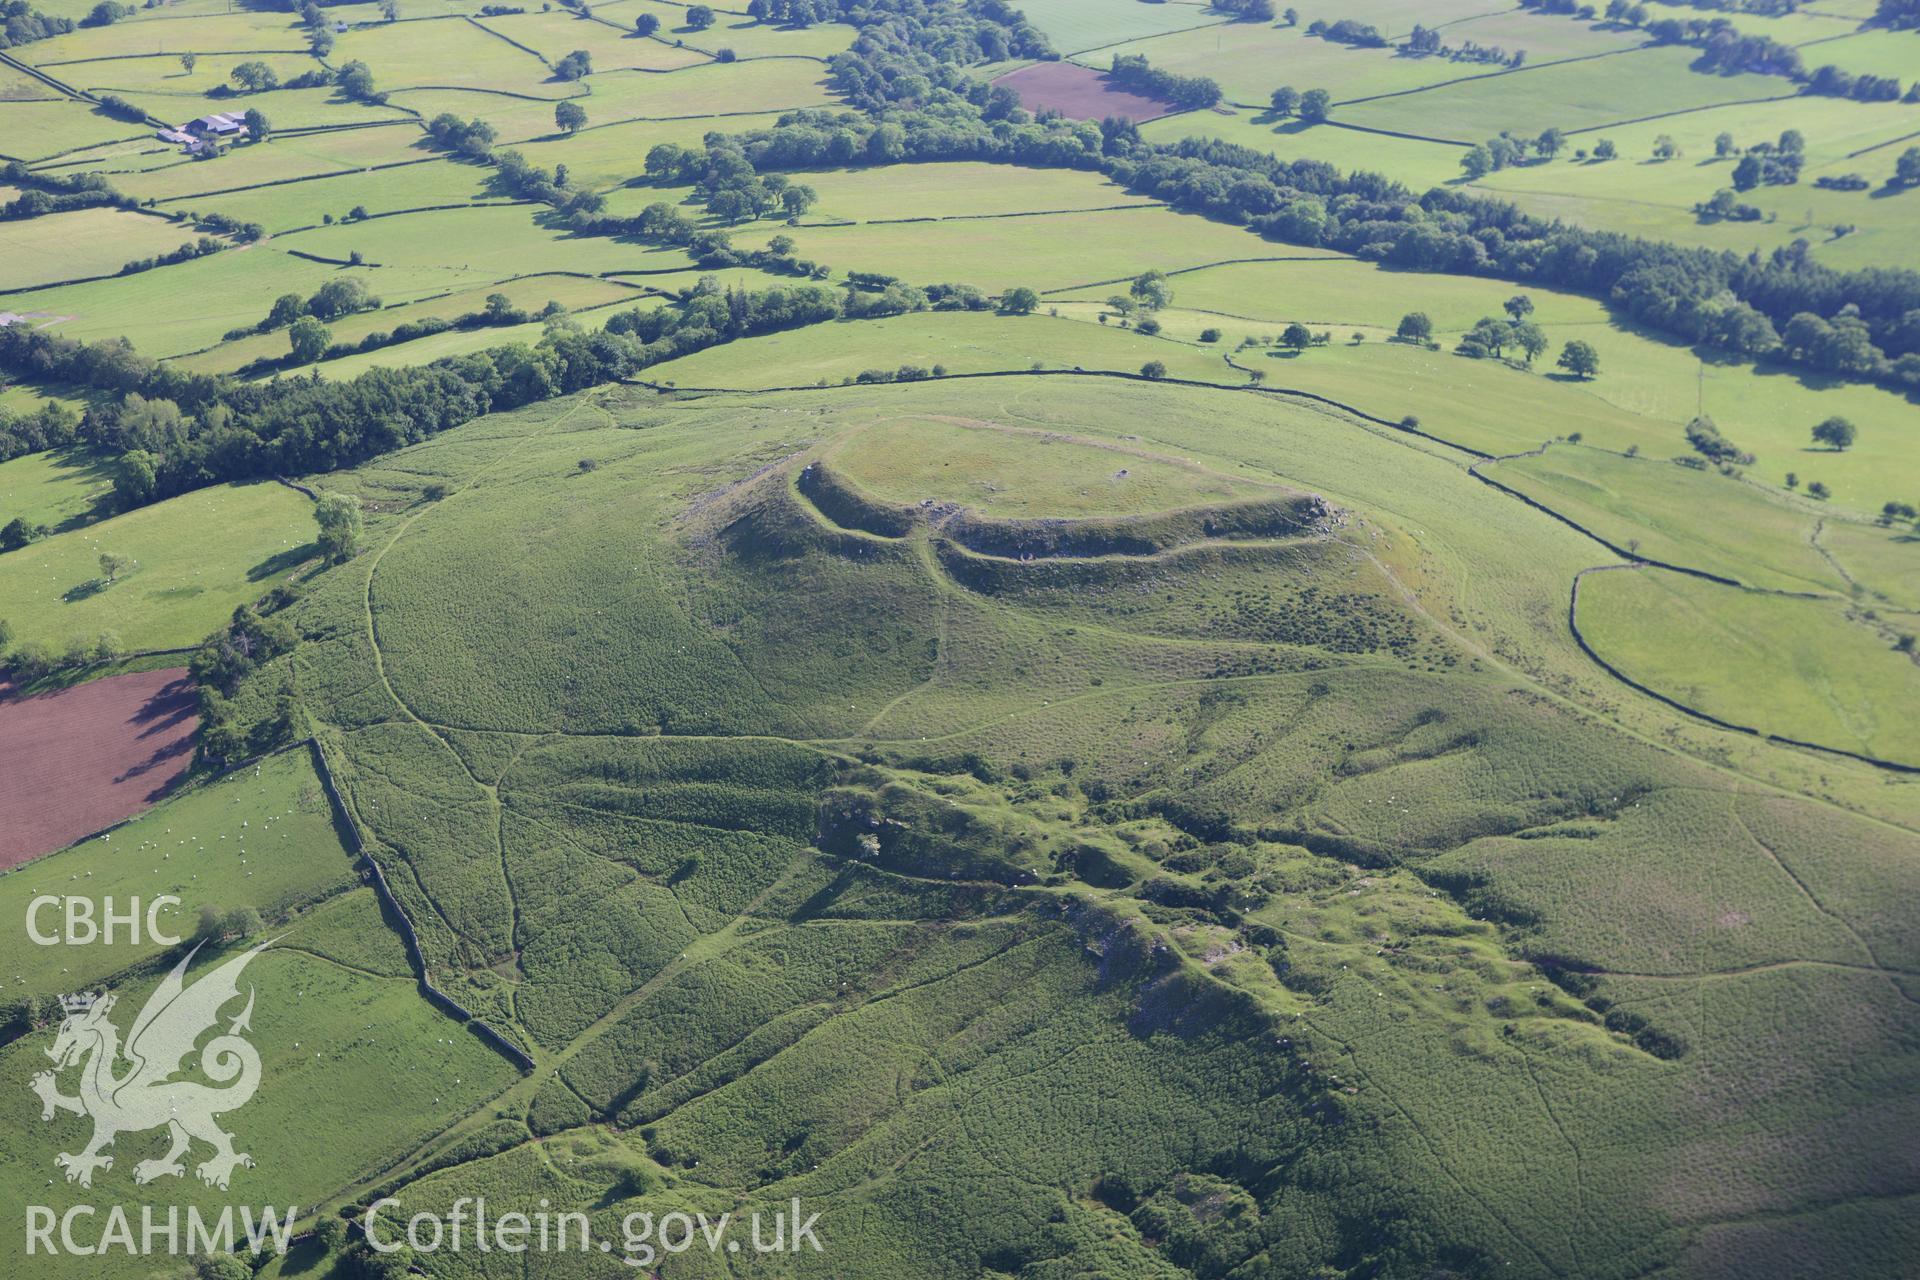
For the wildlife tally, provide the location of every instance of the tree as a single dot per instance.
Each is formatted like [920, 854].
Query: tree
[1665, 148]
[1415, 327]
[1285, 100]
[1819, 491]
[1153, 369]
[1151, 291]
[355, 80]
[796, 199]
[240, 922]
[136, 480]
[1724, 145]
[1836, 433]
[338, 515]
[1906, 170]
[1550, 142]
[1793, 143]
[1530, 338]
[254, 77]
[1748, 173]
[307, 338]
[257, 126]
[575, 66]
[330, 1233]
[17, 534]
[699, 17]
[1519, 307]
[1019, 301]
[113, 564]
[1579, 359]
[570, 116]
[646, 24]
[188, 62]
[1314, 104]
[1604, 149]
[1477, 162]
[1297, 337]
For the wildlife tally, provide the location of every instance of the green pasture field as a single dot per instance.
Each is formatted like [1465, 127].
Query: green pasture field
[1249, 62]
[514, 117]
[1647, 390]
[1546, 37]
[84, 242]
[709, 89]
[17, 86]
[609, 155]
[556, 34]
[1573, 96]
[447, 52]
[732, 29]
[1877, 52]
[40, 130]
[286, 110]
[295, 206]
[1418, 164]
[949, 190]
[162, 86]
[58, 488]
[211, 35]
[187, 579]
[262, 836]
[1483, 405]
[1002, 253]
[1336, 291]
[1815, 670]
[459, 248]
[1020, 474]
[185, 307]
[454, 342]
[960, 342]
[1879, 558]
[1695, 519]
[529, 293]
[1075, 25]
[279, 158]
[1775, 410]
[1656, 197]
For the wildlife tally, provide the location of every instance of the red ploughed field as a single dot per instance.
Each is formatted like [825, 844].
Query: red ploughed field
[1080, 93]
[81, 759]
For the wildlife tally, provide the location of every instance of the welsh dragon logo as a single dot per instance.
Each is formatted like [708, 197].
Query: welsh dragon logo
[145, 1094]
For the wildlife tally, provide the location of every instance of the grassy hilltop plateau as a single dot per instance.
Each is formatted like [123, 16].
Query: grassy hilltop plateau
[1092, 639]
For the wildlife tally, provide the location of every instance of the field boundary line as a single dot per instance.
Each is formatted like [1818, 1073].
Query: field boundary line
[1683, 111]
[305, 177]
[203, 53]
[1206, 266]
[1573, 626]
[1890, 142]
[981, 217]
[470, 20]
[434, 996]
[1491, 75]
[1115, 44]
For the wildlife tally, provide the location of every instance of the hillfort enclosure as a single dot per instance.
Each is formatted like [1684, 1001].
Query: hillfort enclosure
[960, 639]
